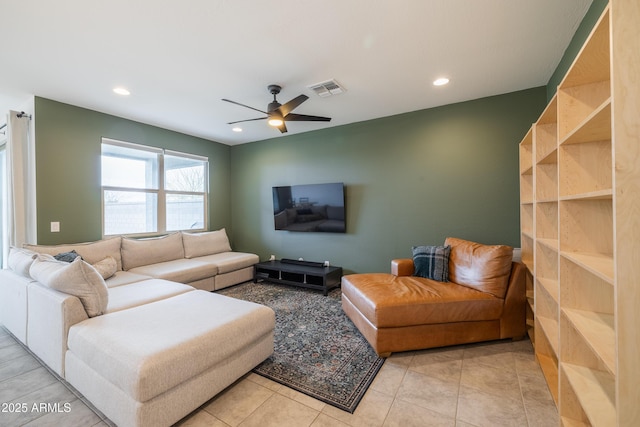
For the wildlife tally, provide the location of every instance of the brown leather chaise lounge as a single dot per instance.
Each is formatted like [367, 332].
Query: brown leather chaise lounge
[484, 299]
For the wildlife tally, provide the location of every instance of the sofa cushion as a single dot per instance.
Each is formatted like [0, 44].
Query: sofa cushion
[432, 262]
[138, 252]
[230, 261]
[179, 270]
[482, 267]
[207, 243]
[389, 301]
[76, 278]
[20, 261]
[91, 252]
[167, 342]
[144, 292]
[124, 278]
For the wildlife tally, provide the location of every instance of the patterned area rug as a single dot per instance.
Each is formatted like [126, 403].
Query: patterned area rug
[318, 351]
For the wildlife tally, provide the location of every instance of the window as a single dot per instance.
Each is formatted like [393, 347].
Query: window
[148, 190]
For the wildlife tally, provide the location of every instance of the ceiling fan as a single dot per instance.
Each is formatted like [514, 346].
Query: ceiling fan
[278, 114]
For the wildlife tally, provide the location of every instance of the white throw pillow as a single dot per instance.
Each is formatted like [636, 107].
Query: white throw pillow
[76, 278]
[207, 243]
[107, 267]
[20, 260]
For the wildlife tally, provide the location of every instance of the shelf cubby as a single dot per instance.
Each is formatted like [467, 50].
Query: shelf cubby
[526, 219]
[588, 347]
[592, 64]
[527, 251]
[546, 154]
[526, 154]
[571, 414]
[576, 350]
[547, 317]
[592, 388]
[547, 269]
[595, 127]
[588, 308]
[586, 226]
[546, 141]
[547, 181]
[578, 103]
[526, 188]
[585, 168]
[530, 307]
[597, 330]
[587, 83]
[585, 290]
[547, 222]
[548, 361]
[597, 264]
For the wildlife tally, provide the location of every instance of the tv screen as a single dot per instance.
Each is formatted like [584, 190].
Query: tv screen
[310, 208]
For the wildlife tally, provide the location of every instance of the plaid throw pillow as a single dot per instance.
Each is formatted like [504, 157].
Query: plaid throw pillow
[432, 262]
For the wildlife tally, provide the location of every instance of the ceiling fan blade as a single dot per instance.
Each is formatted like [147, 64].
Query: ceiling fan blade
[289, 106]
[282, 128]
[246, 106]
[247, 120]
[305, 118]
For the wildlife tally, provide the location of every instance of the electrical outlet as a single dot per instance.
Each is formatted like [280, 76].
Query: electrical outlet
[55, 227]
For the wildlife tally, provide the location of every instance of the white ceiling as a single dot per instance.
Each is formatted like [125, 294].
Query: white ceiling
[180, 58]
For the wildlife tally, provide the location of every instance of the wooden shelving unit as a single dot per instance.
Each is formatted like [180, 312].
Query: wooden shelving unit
[526, 225]
[546, 243]
[587, 275]
[580, 163]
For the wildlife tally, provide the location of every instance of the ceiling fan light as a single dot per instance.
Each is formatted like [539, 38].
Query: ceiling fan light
[275, 122]
[441, 81]
[121, 91]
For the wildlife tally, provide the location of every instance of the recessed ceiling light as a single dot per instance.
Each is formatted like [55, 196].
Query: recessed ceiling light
[236, 129]
[441, 81]
[121, 91]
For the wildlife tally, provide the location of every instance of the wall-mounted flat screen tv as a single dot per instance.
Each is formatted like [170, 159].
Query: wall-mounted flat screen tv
[310, 208]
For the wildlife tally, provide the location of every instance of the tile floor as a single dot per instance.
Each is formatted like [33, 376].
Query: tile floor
[490, 384]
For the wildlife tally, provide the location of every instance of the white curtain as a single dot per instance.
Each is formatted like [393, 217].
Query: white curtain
[21, 184]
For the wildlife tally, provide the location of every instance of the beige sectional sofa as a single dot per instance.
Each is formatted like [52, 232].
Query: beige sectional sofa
[202, 260]
[125, 325]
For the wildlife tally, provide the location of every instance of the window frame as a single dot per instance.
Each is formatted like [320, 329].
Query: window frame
[161, 192]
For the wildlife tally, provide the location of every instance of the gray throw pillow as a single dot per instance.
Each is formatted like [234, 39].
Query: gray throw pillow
[67, 256]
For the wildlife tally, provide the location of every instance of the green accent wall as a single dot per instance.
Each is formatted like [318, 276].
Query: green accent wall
[410, 179]
[68, 168]
[578, 39]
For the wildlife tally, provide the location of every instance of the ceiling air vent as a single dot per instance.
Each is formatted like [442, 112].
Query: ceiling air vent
[328, 88]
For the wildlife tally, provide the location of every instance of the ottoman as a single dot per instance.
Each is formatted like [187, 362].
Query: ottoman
[410, 313]
[153, 364]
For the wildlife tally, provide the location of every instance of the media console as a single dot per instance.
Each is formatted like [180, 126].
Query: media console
[306, 274]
